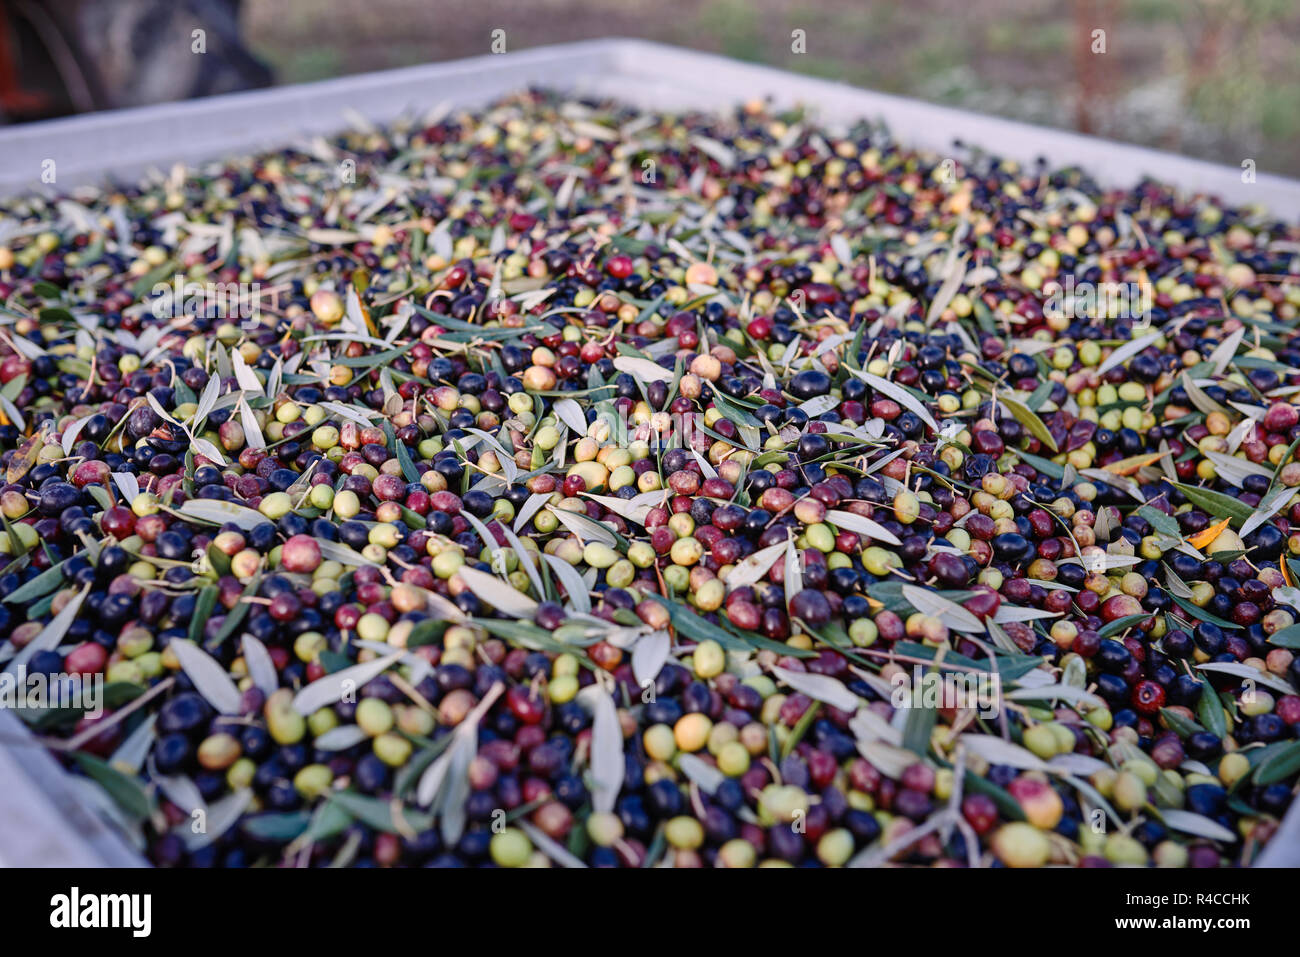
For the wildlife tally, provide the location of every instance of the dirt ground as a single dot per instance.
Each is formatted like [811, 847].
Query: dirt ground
[1213, 78]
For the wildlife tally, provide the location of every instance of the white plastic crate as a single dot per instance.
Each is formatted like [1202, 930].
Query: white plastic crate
[42, 822]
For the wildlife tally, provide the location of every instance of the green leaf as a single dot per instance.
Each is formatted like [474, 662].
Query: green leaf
[1210, 710]
[219, 560]
[1120, 624]
[1184, 727]
[379, 813]
[404, 460]
[1279, 766]
[1216, 503]
[695, 627]
[410, 774]
[125, 791]
[207, 600]
[1288, 637]
[1048, 468]
[916, 730]
[1201, 613]
[1030, 420]
[44, 583]
[238, 613]
[276, 827]
[1005, 802]
[1162, 523]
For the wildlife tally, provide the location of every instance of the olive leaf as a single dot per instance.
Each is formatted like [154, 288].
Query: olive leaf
[341, 738]
[346, 682]
[209, 676]
[525, 560]
[899, 395]
[221, 817]
[953, 615]
[1216, 503]
[793, 571]
[71, 432]
[607, 763]
[1076, 764]
[1197, 824]
[570, 413]
[1247, 673]
[1125, 352]
[752, 569]
[216, 512]
[587, 529]
[531, 508]
[999, 751]
[641, 369]
[548, 846]
[575, 588]
[1009, 613]
[260, 666]
[338, 552]
[1225, 351]
[1030, 420]
[649, 655]
[822, 688]
[501, 596]
[888, 759]
[253, 437]
[632, 509]
[1267, 509]
[52, 634]
[860, 525]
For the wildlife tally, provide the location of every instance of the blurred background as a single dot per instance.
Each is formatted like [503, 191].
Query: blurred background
[1217, 79]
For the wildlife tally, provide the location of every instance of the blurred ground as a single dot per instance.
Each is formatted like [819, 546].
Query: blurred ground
[1218, 79]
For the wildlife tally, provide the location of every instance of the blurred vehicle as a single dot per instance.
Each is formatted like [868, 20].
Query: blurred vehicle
[75, 56]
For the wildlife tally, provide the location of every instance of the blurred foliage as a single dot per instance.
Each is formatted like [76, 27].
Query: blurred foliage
[1219, 79]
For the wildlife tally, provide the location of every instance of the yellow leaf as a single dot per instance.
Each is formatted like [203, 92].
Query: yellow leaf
[1203, 538]
[1129, 466]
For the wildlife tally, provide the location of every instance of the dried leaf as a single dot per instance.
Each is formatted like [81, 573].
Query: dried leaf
[1204, 537]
